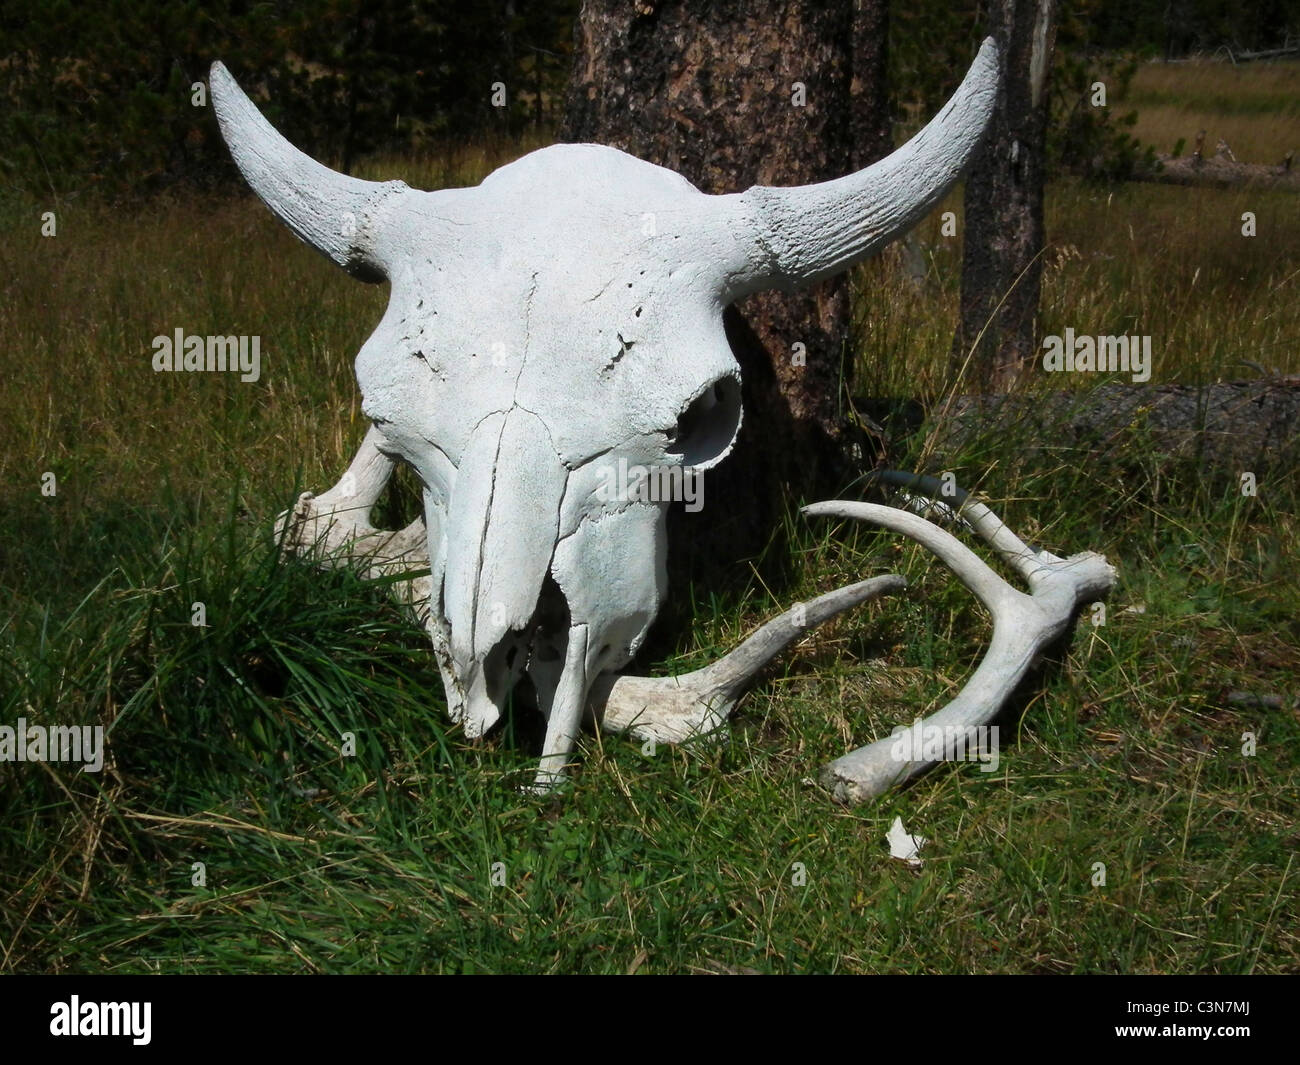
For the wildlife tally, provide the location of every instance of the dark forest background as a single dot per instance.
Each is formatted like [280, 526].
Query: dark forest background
[89, 92]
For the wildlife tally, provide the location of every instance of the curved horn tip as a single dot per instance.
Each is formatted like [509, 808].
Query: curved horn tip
[222, 83]
[989, 55]
[329, 211]
[801, 234]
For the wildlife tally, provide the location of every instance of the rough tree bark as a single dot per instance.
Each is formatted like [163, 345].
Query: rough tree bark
[1002, 258]
[871, 134]
[712, 89]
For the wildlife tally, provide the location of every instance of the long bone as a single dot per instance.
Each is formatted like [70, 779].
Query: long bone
[334, 527]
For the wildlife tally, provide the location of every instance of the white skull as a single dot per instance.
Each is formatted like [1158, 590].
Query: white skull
[550, 328]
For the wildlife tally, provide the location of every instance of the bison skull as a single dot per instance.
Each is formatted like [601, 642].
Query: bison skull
[556, 325]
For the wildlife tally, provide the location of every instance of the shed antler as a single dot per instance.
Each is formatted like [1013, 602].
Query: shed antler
[334, 528]
[1023, 625]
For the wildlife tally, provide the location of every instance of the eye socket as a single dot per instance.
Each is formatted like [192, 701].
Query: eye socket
[707, 426]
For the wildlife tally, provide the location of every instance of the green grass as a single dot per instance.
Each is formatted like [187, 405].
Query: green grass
[224, 741]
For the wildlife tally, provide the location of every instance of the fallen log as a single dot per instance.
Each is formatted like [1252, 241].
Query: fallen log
[1267, 53]
[1225, 428]
[1219, 172]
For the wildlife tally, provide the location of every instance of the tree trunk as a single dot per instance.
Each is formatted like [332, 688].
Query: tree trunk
[1002, 257]
[733, 93]
[871, 131]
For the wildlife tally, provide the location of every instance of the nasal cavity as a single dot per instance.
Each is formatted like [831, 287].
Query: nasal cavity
[707, 425]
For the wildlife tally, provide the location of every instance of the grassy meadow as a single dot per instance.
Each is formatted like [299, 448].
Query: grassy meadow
[1255, 107]
[223, 741]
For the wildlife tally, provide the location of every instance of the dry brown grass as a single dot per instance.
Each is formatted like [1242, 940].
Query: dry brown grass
[1255, 107]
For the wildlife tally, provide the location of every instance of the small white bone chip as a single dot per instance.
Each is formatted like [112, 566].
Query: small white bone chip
[903, 845]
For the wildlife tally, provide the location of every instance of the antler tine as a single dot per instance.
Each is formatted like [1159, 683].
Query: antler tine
[1022, 558]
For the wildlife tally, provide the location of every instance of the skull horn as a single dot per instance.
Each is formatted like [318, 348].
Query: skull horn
[336, 214]
[808, 232]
